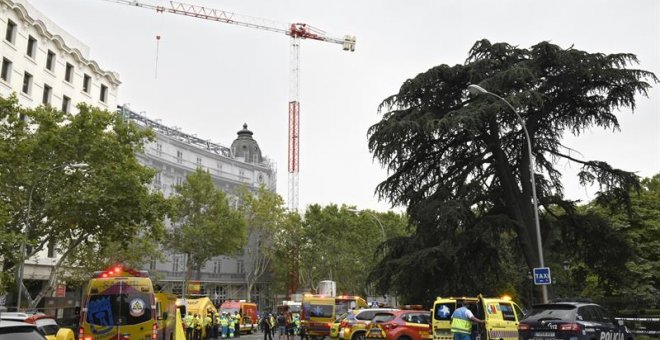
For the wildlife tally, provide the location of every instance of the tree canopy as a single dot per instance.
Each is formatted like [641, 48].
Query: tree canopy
[264, 214]
[76, 212]
[204, 223]
[459, 162]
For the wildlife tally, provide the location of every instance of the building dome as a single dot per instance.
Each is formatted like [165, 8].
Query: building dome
[245, 147]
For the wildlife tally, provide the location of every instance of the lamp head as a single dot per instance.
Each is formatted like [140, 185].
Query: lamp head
[476, 89]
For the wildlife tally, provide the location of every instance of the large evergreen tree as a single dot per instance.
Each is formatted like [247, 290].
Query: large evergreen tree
[460, 164]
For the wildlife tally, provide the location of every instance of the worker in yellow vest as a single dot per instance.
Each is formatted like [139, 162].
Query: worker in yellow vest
[225, 325]
[197, 324]
[187, 322]
[232, 325]
[237, 322]
[461, 323]
[207, 325]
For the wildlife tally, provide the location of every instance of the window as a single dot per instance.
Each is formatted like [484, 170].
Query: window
[152, 264]
[68, 74]
[444, 311]
[66, 102]
[217, 266]
[179, 156]
[199, 161]
[507, 312]
[176, 263]
[179, 180]
[119, 309]
[27, 83]
[605, 316]
[87, 81]
[48, 91]
[239, 267]
[159, 149]
[50, 61]
[519, 312]
[157, 178]
[10, 35]
[104, 93]
[31, 47]
[6, 69]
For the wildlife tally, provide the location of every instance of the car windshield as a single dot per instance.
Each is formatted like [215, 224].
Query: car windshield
[119, 309]
[47, 326]
[20, 333]
[552, 312]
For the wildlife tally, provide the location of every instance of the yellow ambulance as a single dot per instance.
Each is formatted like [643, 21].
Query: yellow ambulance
[502, 317]
[119, 304]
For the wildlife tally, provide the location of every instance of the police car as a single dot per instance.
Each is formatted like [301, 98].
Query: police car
[571, 321]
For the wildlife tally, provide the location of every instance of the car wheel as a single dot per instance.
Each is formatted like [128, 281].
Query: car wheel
[358, 336]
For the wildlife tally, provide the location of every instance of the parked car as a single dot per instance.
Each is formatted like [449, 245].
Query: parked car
[571, 321]
[353, 325]
[400, 325]
[45, 324]
[16, 330]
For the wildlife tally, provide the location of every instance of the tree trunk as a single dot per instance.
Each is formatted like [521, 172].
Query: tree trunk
[52, 278]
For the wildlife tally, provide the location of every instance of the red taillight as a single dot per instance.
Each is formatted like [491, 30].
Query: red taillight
[569, 327]
[523, 327]
[82, 336]
[154, 332]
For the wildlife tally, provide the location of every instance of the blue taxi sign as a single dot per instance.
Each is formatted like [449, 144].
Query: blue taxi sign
[542, 276]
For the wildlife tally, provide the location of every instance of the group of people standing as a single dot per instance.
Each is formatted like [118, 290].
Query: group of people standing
[215, 325]
[287, 326]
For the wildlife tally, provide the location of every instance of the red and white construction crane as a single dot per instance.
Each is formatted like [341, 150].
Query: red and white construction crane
[296, 31]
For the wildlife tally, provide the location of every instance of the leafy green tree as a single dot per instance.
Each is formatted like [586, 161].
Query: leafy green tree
[641, 227]
[204, 225]
[460, 163]
[75, 212]
[264, 214]
[341, 245]
[289, 242]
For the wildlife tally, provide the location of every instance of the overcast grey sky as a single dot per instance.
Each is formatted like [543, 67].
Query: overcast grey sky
[213, 77]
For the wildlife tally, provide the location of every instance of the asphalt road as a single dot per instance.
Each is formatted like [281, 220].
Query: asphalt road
[260, 336]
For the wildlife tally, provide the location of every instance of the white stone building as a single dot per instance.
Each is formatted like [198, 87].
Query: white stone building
[176, 154]
[42, 64]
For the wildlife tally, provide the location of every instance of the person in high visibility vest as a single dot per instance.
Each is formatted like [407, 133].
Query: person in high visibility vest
[237, 323]
[461, 323]
[225, 325]
[232, 325]
[296, 324]
[207, 324]
[187, 322]
[197, 328]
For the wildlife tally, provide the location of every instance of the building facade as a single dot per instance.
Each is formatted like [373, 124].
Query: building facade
[41, 64]
[44, 65]
[175, 154]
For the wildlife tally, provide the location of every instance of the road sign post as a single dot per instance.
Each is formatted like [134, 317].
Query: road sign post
[542, 276]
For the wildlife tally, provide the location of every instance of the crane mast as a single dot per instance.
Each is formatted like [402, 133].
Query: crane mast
[296, 31]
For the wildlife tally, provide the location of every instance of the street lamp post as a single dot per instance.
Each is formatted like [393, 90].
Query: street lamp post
[382, 229]
[476, 89]
[19, 279]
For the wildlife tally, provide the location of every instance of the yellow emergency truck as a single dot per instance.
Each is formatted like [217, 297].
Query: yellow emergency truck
[119, 304]
[166, 315]
[502, 317]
